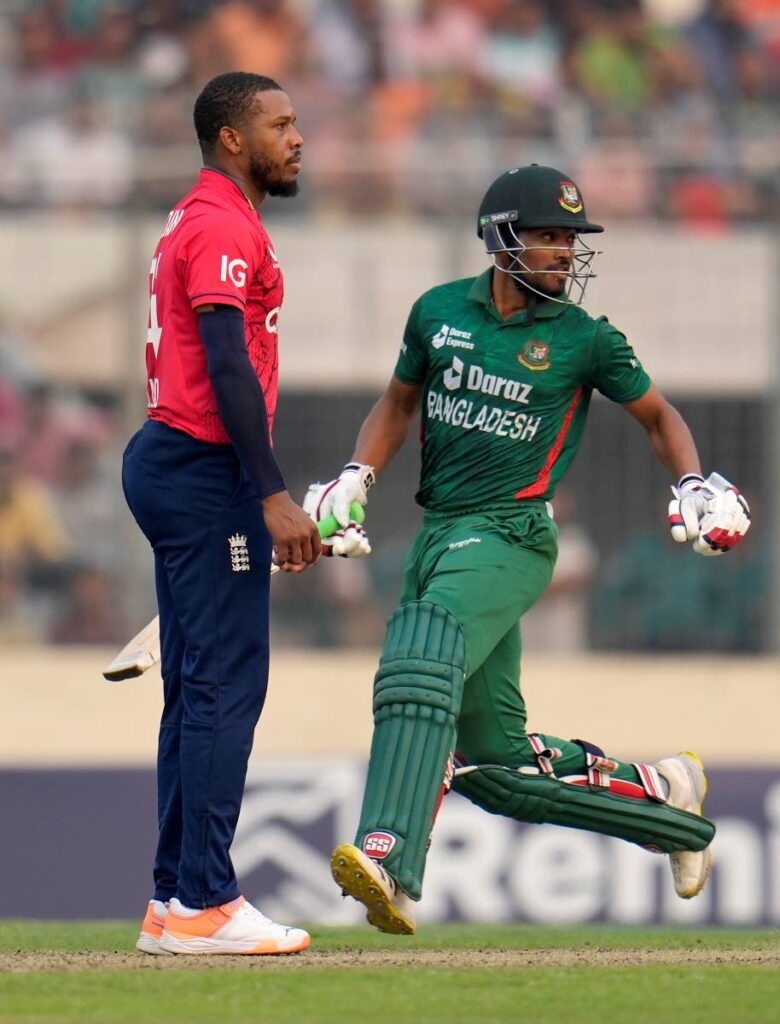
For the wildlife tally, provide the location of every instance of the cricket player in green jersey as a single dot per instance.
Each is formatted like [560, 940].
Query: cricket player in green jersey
[503, 367]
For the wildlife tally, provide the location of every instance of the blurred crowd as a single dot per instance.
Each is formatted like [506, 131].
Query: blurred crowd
[659, 108]
[58, 495]
[662, 108]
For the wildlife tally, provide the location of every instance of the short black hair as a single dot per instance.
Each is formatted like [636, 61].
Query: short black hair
[227, 100]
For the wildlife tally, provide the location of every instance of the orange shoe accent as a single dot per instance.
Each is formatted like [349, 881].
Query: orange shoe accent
[234, 928]
[152, 929]
[152, 924]
[202, 925]
[269, 946]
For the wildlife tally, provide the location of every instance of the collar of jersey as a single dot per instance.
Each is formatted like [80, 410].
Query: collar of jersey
[481, 291]
[218, 181]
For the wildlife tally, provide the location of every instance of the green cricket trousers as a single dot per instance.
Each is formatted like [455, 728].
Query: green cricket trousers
[448, 681]
[487, 570]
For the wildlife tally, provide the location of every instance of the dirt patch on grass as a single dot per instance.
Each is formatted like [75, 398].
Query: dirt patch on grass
[25, 962]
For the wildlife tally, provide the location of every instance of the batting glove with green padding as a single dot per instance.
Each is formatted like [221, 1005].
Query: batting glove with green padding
[350, 541]
[336, 497]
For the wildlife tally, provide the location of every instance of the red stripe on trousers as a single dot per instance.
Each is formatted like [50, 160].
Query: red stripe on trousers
[539, 486]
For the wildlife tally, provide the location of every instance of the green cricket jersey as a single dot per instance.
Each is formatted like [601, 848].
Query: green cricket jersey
[504, 403]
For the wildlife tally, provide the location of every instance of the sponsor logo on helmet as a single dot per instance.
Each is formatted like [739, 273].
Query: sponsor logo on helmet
[498, 218]
[378, 844]
[570, 198]
[535, 355]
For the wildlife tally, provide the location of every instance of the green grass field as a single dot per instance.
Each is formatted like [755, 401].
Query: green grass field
[87, 972]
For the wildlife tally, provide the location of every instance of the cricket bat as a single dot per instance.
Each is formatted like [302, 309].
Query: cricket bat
[143, 651]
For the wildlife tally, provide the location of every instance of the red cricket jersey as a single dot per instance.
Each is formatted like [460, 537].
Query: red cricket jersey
[214, 249]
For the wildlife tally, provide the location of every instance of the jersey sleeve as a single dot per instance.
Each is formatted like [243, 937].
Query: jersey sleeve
[220, 260]
[412, 364]
[617, 372]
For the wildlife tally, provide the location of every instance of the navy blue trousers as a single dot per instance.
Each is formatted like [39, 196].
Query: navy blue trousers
[189, 498]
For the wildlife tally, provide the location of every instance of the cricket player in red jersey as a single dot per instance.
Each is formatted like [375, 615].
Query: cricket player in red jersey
[201, 480]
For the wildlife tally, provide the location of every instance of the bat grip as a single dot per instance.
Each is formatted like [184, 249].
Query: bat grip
[329, 525]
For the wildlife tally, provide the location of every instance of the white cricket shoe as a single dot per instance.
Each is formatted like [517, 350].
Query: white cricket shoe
[235, 927]
[687, 789]
[388, 908]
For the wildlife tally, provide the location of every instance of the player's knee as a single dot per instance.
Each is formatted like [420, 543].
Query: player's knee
[423, 661]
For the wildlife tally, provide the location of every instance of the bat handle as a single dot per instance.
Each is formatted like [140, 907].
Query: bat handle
[329, 525]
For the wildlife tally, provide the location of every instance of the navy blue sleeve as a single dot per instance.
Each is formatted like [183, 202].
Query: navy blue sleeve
[240, 398]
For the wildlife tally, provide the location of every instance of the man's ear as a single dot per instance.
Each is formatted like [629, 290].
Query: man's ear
[231, 139]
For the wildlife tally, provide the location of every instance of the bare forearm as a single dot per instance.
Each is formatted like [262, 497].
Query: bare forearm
[383, 432]
[673, 443]
[668, 432]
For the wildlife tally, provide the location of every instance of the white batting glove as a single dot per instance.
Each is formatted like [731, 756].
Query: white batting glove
[335, 497]
[688, 507]
[712, 513]
[725, 526]
[351, 541]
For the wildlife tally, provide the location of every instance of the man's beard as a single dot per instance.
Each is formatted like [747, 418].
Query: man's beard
[553, 293]
[265, 177]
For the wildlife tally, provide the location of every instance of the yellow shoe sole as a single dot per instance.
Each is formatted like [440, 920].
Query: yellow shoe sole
[350, 874]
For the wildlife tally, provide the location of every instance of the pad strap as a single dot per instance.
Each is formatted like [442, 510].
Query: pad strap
[651, 781]
[598, 765]
[544, 755]
[538, 798]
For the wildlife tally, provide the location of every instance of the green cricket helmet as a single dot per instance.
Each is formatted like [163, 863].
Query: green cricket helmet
[526, 198]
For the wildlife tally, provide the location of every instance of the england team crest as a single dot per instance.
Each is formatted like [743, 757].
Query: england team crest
[570, 198]
[535, 355]
[239, 553]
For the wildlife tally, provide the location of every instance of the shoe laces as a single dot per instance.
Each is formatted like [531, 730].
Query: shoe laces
[388, 879]
[248, 910]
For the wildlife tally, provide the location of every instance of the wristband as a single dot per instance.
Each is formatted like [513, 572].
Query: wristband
[367, 473]
[689, 478]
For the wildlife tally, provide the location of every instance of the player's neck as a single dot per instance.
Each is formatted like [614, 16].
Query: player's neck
[507, 297]
[251, 193]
